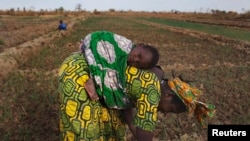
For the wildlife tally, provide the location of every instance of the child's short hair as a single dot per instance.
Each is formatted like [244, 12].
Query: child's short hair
[155, 53]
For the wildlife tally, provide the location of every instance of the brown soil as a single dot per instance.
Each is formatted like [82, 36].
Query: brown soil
[13, 56]
[13, 53]
[17, 51]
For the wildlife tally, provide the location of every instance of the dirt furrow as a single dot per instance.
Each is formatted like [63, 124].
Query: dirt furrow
[237, 44]
[12, 57]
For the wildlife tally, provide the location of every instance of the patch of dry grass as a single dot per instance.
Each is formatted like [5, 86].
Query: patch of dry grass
[29, 105]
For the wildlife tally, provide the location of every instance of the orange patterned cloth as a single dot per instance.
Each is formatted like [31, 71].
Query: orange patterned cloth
[189, 96]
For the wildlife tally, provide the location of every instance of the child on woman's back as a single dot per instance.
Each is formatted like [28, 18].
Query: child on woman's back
[108, 55]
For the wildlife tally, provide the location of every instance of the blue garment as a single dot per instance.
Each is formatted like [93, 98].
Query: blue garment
[62, 26]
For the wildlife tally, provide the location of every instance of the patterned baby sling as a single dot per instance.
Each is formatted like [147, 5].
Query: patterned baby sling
[106, 54]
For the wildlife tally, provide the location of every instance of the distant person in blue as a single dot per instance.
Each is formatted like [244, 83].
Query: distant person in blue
[62, 25]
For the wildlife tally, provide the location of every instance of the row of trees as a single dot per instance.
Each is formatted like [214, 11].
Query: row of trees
[78, 8]
[60, 9]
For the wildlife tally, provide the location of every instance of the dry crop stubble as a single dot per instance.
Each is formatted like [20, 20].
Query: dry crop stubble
[221, 71]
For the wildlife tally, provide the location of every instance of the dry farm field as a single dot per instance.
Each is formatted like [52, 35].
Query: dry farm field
[214, 51]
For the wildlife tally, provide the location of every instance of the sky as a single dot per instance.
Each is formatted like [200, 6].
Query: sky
[240, 6]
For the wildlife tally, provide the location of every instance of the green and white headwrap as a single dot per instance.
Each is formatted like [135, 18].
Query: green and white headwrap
[107, 54]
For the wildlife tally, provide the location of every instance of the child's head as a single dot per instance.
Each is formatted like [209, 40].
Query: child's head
[143, 56]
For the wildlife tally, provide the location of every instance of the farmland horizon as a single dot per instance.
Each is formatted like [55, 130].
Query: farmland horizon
[130, 5]
[211, 50]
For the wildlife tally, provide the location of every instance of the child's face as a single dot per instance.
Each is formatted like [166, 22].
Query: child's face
[140, 58]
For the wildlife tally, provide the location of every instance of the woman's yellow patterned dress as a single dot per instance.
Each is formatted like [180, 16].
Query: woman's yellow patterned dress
[84, 120]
